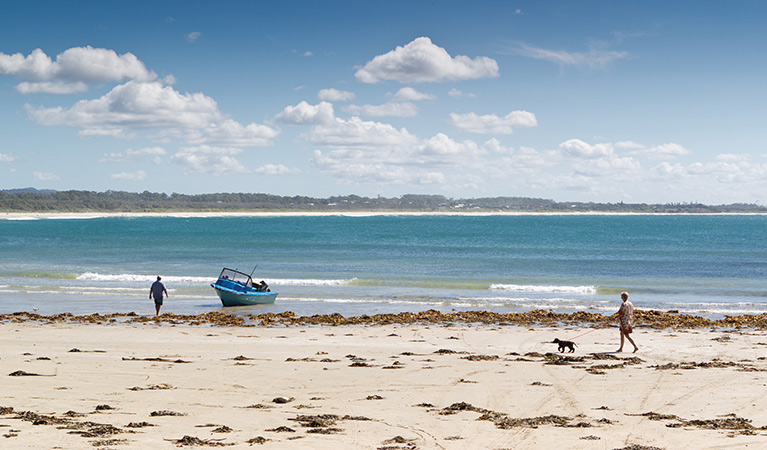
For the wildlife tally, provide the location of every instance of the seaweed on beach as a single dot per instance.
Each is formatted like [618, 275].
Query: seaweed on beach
[639, 447]
[504, 422]
[480, 357]
[644, 318]
[21, 373]
[729, 422]
[107, 442]
[715, 364]
[157, 359]
[165, 412]
[153, 387]
[195, 441]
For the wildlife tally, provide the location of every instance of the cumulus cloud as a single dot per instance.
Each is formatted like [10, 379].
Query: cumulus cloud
[422, 61]
[306, 114]
[360, 134]
[45, 176]
[7, 157]
[210, 160]
[408, 94]
[151, 107]
[334, 95]
[669, 150]
[456, 93]
[667, 170]
[577, 148]
[73, 70]
[392, 109]
[594, 58]
[628, 145]
[129, 176]
[130, 155]
[493, 124]
[494, 145]
[277, 169]
[193, 36]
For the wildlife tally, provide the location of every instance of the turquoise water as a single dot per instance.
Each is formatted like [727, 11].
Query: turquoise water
[706, 265]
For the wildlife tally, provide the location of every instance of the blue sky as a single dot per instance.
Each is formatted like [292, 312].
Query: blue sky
[574, 101]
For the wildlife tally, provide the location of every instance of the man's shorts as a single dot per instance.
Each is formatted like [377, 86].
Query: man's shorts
[158, 301]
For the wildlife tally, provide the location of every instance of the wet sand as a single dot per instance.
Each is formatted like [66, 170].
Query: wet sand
[66, 384]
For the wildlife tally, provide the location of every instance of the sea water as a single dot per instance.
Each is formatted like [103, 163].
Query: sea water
[708, 265]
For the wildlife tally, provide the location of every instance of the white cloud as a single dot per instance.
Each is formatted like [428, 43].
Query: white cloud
[441, 146]
[51, 87]
[408, 94]
[663, 151]
[667, 170]
[229, 132]
[129, 176]
[607, 166]
[193, 36]
[306, 114]
[7, 157]
[359, 134]
[136, 107]
[494, 145]
[422, 61]
[277, 169]
[392, 109]
[131, 154]
[491, 123]
[733, 158]
[45, 176]
[576, 148]
[628, 145]
[73, 69]
[455, 93]
[594, 58]
[210, 160]
[334, 95]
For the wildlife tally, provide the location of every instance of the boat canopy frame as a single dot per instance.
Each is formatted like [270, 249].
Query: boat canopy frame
[237, 277]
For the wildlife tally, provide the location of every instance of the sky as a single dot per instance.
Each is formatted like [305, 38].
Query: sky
[604, 101]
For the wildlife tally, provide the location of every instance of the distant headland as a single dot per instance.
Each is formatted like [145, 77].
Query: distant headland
[30, 200]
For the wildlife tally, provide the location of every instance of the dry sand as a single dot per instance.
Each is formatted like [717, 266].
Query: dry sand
[147, 386]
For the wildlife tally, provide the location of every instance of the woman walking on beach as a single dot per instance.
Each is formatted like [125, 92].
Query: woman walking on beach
[626, 320]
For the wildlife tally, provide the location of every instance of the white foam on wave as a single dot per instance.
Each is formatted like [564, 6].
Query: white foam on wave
[544, 288]
[130, 277]
[309, 282]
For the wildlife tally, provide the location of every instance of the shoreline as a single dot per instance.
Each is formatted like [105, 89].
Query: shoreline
[385, 386]
[192, 214]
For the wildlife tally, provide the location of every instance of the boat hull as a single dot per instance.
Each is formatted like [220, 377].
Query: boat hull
[233, 298]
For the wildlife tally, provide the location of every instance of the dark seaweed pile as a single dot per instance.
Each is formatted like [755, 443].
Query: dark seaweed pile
[649, 318]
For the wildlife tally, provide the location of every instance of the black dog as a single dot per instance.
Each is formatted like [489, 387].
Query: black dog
[565, 344]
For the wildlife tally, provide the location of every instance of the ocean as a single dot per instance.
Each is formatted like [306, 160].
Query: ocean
[707, 265]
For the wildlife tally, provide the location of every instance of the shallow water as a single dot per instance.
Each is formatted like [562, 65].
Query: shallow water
[704, 265]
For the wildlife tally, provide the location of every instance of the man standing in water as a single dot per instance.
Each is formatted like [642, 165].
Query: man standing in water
[157, 290]
[626, 320]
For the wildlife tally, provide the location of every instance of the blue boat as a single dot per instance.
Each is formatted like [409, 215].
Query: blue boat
[235, 288]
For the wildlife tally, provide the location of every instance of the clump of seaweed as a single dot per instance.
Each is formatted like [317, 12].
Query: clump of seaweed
[165, 412]
[195, 441]
[503, 421]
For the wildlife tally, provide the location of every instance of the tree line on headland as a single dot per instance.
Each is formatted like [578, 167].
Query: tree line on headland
[32, 200]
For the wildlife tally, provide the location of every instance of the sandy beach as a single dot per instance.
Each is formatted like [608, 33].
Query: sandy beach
[69, 385]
